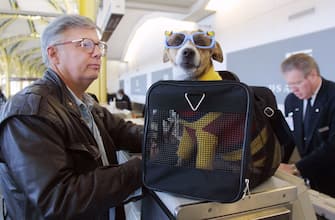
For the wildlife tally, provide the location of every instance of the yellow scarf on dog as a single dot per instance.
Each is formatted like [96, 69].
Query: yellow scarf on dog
[211, 75]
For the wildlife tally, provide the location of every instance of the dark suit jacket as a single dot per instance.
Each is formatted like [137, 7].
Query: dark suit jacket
[318, 152]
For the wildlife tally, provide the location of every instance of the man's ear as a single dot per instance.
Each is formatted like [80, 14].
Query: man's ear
[217, 52]
[53, 55]
[166, 55]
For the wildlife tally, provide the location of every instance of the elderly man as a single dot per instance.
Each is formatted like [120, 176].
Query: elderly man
[57, 145]
[312, 108]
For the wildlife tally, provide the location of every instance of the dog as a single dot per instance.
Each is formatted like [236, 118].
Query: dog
[202, 134]
[191, 54]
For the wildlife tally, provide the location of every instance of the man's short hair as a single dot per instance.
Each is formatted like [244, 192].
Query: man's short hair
[300, 61]
[53, 32]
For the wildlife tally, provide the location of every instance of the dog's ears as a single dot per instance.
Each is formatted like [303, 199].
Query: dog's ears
[217, 53]
[166, 55]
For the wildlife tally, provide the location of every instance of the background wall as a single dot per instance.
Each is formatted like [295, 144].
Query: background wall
[240, 31]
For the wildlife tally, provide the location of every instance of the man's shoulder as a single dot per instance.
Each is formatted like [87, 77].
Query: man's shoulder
[327, 91]
[27, 102]
[330, 85]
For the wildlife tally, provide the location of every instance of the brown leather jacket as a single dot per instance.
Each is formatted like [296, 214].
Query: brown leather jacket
[51, 166]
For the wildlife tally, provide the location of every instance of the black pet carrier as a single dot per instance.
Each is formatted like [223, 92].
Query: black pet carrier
[201, 140]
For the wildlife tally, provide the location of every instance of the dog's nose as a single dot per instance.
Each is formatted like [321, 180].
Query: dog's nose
[187, 52]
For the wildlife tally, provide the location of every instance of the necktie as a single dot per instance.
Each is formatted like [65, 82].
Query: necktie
[307, 117]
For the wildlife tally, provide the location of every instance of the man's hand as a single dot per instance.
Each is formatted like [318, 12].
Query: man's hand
[289, 168]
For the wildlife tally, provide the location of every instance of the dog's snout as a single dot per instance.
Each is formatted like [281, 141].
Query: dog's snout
[188, 52]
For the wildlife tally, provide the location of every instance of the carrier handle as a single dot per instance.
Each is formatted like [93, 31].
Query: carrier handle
[191, 105]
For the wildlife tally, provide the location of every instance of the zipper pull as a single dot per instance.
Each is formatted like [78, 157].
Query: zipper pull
[246, 190]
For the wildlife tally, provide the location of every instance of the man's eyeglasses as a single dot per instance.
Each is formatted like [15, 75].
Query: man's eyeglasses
[87, 44]
[199, 39]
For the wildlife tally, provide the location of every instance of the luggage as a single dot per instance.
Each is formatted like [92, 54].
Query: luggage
[207, 140]
[266, 101]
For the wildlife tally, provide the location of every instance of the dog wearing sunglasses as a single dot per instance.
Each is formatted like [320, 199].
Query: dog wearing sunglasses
[191, 54]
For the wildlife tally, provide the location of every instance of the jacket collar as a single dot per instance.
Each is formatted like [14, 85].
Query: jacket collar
[63, 93]
[65, 96]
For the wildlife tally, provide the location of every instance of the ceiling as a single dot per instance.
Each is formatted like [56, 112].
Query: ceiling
[138, 10]
[22, 21]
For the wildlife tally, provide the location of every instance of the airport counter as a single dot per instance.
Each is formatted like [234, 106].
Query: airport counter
[282, 197]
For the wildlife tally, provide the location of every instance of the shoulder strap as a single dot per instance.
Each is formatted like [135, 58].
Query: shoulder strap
[277, 120]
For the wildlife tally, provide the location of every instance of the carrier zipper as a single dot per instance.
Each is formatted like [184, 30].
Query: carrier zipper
[246, 190]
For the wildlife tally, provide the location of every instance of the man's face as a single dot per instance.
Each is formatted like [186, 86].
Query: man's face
[77, 66]
[299, 84]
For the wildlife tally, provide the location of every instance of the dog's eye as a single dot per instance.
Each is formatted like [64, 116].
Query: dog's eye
[201, 40]
[176, 40]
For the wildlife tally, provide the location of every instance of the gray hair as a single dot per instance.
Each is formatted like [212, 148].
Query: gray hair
[302, 62]
[53, 32]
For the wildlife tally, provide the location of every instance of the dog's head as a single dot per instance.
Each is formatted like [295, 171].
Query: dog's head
[191, 53]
